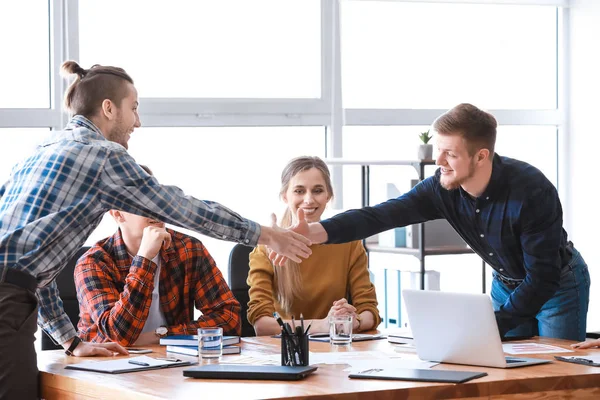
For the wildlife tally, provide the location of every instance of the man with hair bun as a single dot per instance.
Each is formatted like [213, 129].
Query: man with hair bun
[57, 196]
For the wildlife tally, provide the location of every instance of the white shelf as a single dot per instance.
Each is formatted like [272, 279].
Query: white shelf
[429, 251]
[345, 161]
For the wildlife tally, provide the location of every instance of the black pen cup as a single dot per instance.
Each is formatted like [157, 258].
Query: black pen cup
[294, 350]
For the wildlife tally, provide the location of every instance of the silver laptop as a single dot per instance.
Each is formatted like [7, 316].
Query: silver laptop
[458, 328]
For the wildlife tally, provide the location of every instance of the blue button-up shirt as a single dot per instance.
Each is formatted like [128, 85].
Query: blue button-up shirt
[515, 226]
[55, 199]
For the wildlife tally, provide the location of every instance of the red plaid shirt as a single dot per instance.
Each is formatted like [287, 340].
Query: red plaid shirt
[115, 291]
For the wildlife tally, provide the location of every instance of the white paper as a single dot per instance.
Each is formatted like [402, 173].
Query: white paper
[344, 357]
[389, 364]
[362, 360]
[252, 360]
[532, 348]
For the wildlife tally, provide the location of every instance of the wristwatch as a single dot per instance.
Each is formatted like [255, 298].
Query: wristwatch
[74, 344]
[161, 331]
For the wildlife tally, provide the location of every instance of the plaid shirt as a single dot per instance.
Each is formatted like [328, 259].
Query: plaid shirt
[54, 199]
[515, 226]
[115, 291]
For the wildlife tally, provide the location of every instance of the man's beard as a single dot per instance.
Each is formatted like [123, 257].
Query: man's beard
[456, 183]
[118, 134]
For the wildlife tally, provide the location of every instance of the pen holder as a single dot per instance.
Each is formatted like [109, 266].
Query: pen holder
[294, 350]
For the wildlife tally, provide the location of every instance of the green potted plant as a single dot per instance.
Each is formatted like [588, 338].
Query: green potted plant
[425, 149]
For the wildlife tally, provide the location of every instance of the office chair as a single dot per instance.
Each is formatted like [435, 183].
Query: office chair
[238, 273]
[68, 294]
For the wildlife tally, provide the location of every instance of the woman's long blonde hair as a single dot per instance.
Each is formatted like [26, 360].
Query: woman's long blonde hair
[287, 278]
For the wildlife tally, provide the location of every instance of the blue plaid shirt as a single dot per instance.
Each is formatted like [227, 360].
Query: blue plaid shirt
[55, 199]
[515, 226]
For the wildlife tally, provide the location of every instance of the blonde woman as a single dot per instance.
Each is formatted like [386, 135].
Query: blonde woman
[319, 286]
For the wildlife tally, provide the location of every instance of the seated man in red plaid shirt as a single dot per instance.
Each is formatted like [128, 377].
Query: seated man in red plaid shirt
[140, 284]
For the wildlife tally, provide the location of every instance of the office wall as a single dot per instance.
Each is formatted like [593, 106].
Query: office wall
[584, 138]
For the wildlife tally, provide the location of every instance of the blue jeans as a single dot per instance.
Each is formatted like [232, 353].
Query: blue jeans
[564, 316]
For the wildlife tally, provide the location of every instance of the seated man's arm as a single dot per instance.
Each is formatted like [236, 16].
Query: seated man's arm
[212, 296]
[106, 313]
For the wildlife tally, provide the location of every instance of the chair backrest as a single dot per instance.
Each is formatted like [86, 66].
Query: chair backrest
[238, 269]
[68, 294]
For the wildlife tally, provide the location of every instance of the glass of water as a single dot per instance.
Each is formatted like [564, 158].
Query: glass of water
[340, 329]
[210, 343]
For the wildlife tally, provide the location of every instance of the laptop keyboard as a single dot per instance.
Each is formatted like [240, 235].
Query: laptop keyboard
[513, 360]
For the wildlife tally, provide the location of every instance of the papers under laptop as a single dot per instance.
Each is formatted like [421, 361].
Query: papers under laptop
[458, 328]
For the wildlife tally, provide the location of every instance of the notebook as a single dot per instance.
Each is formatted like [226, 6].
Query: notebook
[458, 328]
[421, 375]
[242, 371]
[192, 340]
[122, 365]
[402, 336]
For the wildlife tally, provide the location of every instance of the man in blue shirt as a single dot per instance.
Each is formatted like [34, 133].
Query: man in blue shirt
[57, 196]
[506, 210]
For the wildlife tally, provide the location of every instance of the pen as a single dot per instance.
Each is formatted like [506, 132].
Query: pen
[302, 321]
[307, 328]
[279, 320]
[143, 364]
[171, 359]
[585, 360]
[288, 329]
[293, 324]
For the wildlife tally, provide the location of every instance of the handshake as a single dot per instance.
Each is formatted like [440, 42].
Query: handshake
[292, 242]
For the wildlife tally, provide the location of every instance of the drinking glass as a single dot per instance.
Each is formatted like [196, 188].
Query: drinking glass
[210, 343]
[340, 329]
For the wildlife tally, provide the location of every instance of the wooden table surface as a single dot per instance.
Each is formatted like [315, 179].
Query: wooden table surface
[555, 380]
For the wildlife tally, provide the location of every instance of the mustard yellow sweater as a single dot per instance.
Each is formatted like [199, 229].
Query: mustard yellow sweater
[329, 274]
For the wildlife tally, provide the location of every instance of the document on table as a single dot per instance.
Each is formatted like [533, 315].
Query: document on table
[532, 348]
[259, 359]
[361, 360]
[132, 364]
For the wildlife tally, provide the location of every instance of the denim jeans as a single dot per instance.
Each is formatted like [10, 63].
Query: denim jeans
[564, 315]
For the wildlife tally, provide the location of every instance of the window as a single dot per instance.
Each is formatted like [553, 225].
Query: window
[536, 145]
[219, 49]
[238, 167]
[21, 142]
[25, 68]
[411, 55]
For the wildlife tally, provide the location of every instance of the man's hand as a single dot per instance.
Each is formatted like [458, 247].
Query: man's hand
[587, 345]
[301, 225]
[313, 231]
[86, 349]
[284, 243]
[152, 240]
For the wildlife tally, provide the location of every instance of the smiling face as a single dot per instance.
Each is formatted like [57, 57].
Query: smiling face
[457, 167]
[126, 118]
[307, 190]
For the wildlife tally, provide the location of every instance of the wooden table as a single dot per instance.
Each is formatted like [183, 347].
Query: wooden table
[556, 380]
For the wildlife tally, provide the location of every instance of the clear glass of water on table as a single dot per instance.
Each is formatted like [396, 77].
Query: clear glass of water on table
[340, 329]
[210, 343]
